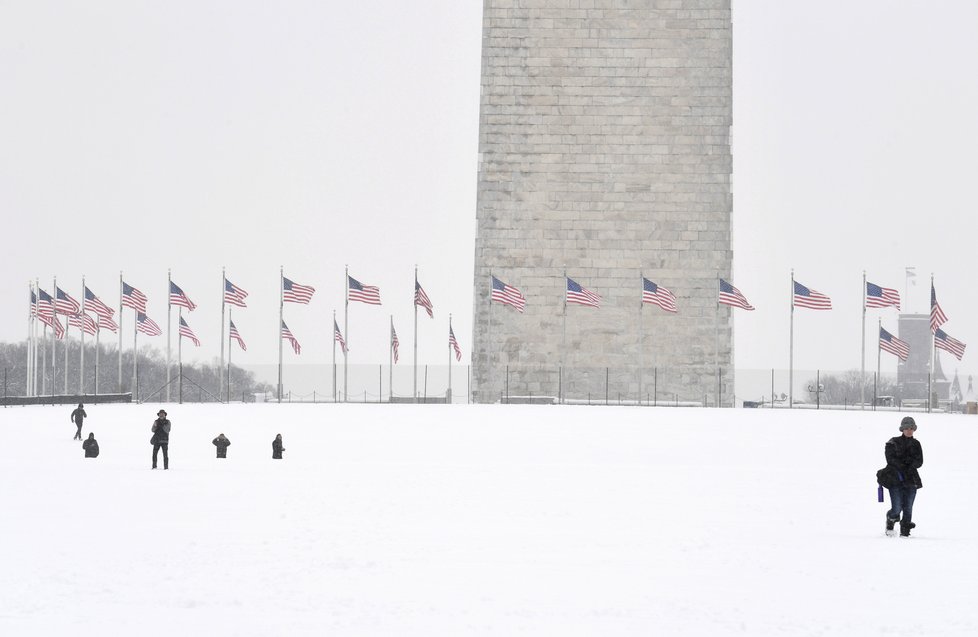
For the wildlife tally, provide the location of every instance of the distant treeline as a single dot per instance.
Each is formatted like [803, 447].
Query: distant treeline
[201, 381]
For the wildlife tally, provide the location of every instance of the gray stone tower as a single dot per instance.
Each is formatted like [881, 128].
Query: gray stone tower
[604, 151]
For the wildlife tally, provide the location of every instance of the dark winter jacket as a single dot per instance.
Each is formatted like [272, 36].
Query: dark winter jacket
[91, 447]
[161, 432]
[78, 416]
[277, 448]
[222, 445]
[903, 457]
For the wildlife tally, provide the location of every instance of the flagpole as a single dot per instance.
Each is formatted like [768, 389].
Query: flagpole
[54, 341]
[98, 335]
[169, 286]
[30, 336]
[862, 376]
[281, 320]
[81, 362]
[791, 346]
[135, 333]
[415, 332]
[44, 352]
[334, 356]
[450, 360]
[224, 284]
[346, 330]
[563, 338]
[879, 349]
[179, 356]
[933, 345]
[641, 335]
[390, 360]
[120, 331]
[488, 375]
[716, 339]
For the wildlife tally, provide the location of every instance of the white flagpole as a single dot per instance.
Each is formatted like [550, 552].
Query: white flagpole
[281, 302]
[563, 339]
[44, 357]
[81, 362]
[334, 356]
[98, 335]
[54, 341]
[791, 345]
[169, 283]
[120, 331]
[879, 349]
[933, 351]
[346, 329]
[220, 383]
[135, 357]
[390, 360]
[30, 336]
[180, 356]
[488, 374]
[229, 349]
[862, 373]
[641, 334]
[716, 340]
[415, 332]
[449, 360]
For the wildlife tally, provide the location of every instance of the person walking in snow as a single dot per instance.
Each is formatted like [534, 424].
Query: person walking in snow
[222, 445]
[161, 438]
[90, 446]
[78, 417]
[904, 456]
[277, 447]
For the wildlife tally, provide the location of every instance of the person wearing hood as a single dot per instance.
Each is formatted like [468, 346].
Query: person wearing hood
[161, 438]
[277, 447]
[904, 456]
[78, 417]
[222, 444]
[90, 446]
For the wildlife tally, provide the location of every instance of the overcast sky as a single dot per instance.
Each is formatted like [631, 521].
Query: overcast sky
[143, 136]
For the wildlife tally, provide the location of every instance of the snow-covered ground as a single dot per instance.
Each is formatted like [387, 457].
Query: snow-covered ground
[467, 520]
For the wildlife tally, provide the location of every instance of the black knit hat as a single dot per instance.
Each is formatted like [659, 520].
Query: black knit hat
[908, 423]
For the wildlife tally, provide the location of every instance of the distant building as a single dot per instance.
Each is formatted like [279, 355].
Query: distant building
[912, 374]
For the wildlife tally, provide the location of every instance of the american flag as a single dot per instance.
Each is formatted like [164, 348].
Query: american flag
[364, 293]
[146, 325]
[812, 299]
[454, 343]
[189, 333]
[893, 345]
[877, 296]
[338, 337]
[507, 295]
[937, 316]
[948, 344]
[420, 298]
[106, 323]
[233, 333]
[177, 297]
[581, 295]
[233, 295]
[294, 293]
[64, 304]
[83, 322]
[33, 303]
[55, 323]
[729, 295]
[45, 305]
[394, 342]
[658, 295]
[131, 297]
[287, 335]
[94, 304]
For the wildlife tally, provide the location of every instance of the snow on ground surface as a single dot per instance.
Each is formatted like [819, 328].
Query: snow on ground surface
[481, 519]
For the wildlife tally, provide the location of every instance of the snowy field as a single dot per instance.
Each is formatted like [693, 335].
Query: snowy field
[475, 520]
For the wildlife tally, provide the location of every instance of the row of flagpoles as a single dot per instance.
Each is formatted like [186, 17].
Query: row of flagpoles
[45, 309]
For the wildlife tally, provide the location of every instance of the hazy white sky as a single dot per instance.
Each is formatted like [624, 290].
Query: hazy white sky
[143, 136]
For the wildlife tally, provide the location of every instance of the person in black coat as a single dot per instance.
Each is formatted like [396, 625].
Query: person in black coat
[90, 446]
[904, 456]
[222, 445]
[161, 438]
[277, 447]
[78, 417]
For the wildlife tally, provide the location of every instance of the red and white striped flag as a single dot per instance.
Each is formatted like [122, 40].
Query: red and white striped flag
[83, 322]
[878, 296]
[893, 345]
[106, 323]
[338, 337]
[580, 295]
[292, 292]
[233, 333]
[420, 298]
[147, 326]
[812, 299]
[177, 297]
[658, 295]
[364, 293]
[729, 295]
[507, 295]
[233, 295]
[948, 344]
[287, 335]
[454, 343]
[95, 304]
[394, 342]
[189, 333]
[937, 316]
[64, 304]
[131, 297]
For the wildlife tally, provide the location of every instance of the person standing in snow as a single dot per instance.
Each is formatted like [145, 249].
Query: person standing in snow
[222, 445]
[161, 438]
[904, 456]
[90, 446]
[277, 447]
[78, 417]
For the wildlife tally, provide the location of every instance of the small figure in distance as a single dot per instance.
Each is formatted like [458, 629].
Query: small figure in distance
[277, 447]
[90, 446]
[78, 417]
[161, 438]
[222, 445]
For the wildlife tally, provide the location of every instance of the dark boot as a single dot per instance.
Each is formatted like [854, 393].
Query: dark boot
[890, 523]
[905, 528]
